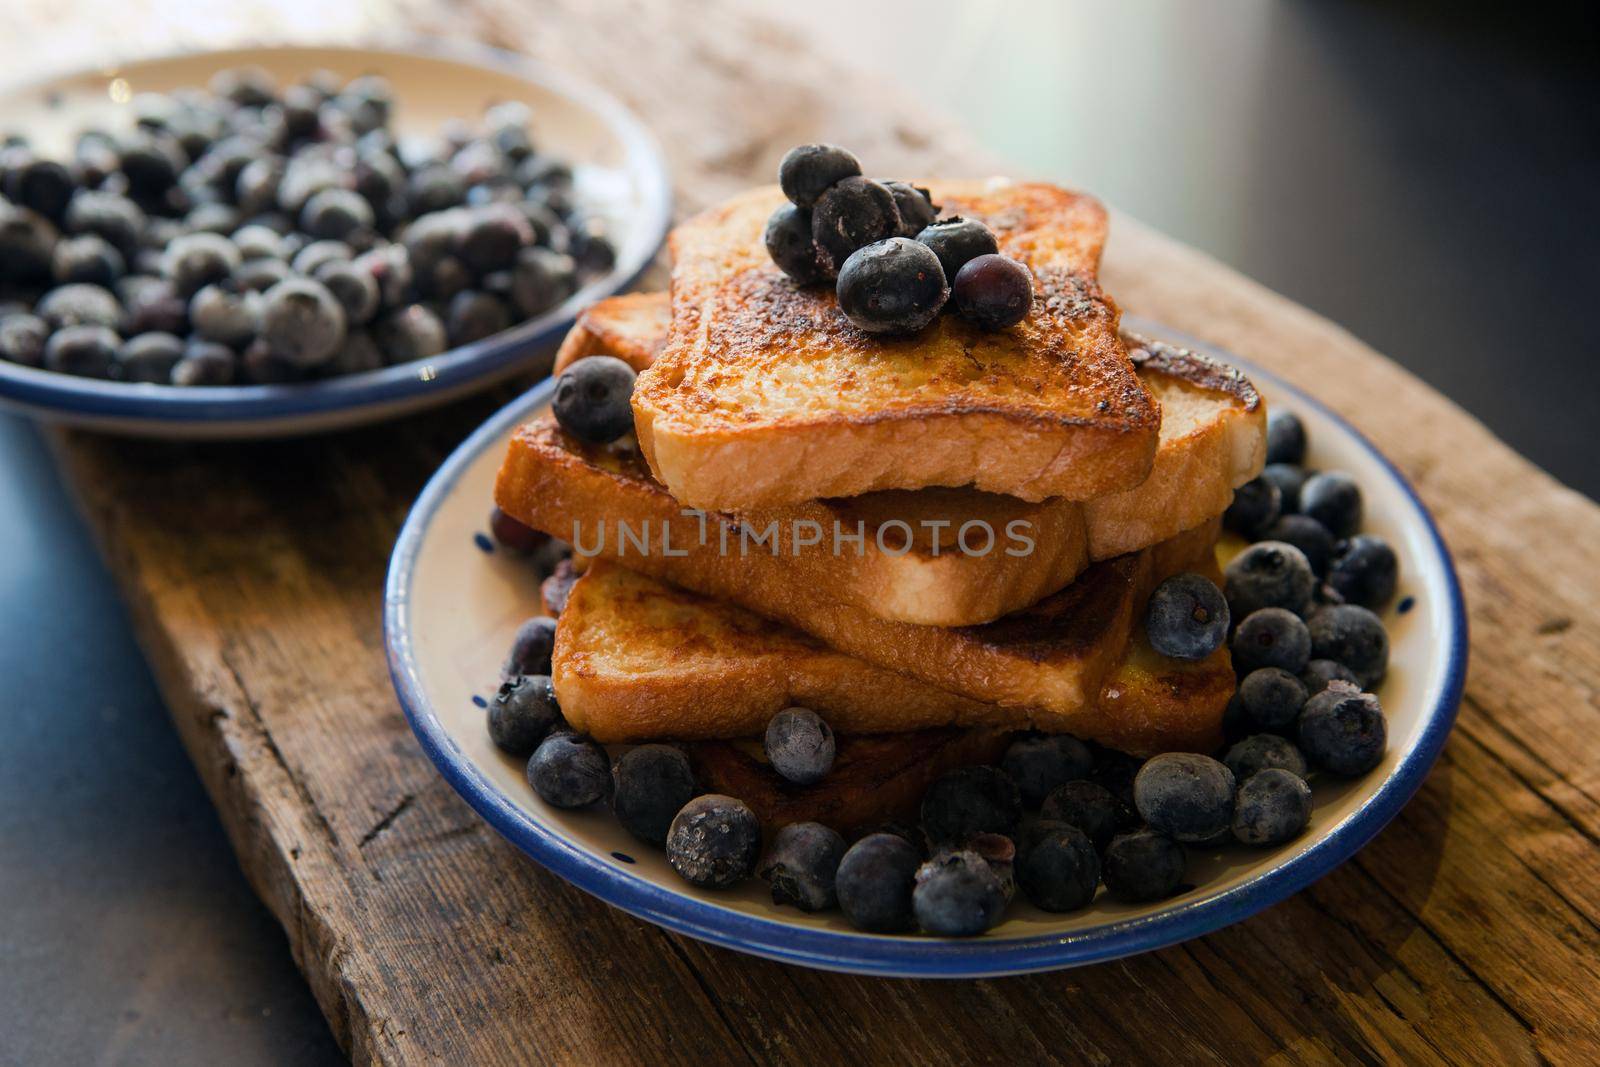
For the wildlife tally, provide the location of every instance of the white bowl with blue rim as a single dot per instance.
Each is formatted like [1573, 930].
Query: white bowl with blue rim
[619, 170]
[453, 602]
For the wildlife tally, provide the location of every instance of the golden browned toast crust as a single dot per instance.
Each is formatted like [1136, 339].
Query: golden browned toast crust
[874, 780]
[639, 660]
[766, 395]
[632, 327]
[636, 659]
[1049, 658]
[928, 585]
[1211, 441]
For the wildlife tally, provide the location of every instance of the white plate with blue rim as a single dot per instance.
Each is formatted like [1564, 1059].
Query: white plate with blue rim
[619, 173]
[453, 602]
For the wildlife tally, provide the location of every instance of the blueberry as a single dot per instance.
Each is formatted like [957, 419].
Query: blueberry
[802, 865]
[1353, 636]
[151, 161]
[1306, 534]
[1271, 637]
[301, 321]
[149, 357]
[410, 333]
[152, 305]
[261, 364]
[390, 267]
[475, 315]
[1342, 730]
[875, 881]
[1269, 574]
[1319, 672]
[259, 275]
[435, 188]
[305, 174]
[1289, 479]
[115, 218]
[969, 801]
[336, 215]
[800, 745]
[541, 279]
[1087, 806]
[1365, 571]
[256, 241]
[358, 354]
[87, 351]
[809, 170]
[1143, 866]
[523, 713]
[1042, 763]
[992, 291]
[491, 237]
[512, 535]
[593, 398]
[41, 185]
[205, 363]
[318, 254]
[1187, 617]
[915, 204]
[354, 288]
[22, 339]
[1255, 506]
[912, 834]
[225, 315]
[1286, 438]
[714, 841]
[892, 286]
[257, 183]
[1000, 853]
[1061, 871]
[957, 895]
[1272, 698]
[26, 242]
[650, 785]
[1260, 751]
[1185, 795]
[789, 243]
[80, 305]
[86, 258]
[195, 260]
[219, 219]
[1273, 806]
[1115, 771]
[1333, 499]
[957, 241]
[531, 648]
[852, 214]
[569, 771]
[244, 86]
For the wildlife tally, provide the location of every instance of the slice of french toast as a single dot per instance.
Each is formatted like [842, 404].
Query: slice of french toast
[1212, 440]
[766, 395]
[1049, 657]
[637, 659]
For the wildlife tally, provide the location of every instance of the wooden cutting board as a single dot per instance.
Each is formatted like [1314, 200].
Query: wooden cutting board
[1467, 930]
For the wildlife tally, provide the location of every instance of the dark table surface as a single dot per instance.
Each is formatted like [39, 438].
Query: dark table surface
[1428, 184]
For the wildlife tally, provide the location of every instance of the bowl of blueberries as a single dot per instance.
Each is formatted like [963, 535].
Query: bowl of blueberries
[1346, 627]
[285, 240]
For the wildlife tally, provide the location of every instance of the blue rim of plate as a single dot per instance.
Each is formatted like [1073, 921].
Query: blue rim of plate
[484, 360]
[906, 956]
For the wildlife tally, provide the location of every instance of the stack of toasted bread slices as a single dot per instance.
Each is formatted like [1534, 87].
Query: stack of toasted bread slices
[946, 537]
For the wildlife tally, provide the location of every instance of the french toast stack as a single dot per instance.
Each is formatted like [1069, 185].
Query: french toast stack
[932, 541]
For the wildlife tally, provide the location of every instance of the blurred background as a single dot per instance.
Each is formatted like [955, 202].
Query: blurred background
[1423, 174]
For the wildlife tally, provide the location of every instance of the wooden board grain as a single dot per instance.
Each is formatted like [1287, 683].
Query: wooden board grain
[1467, 931]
